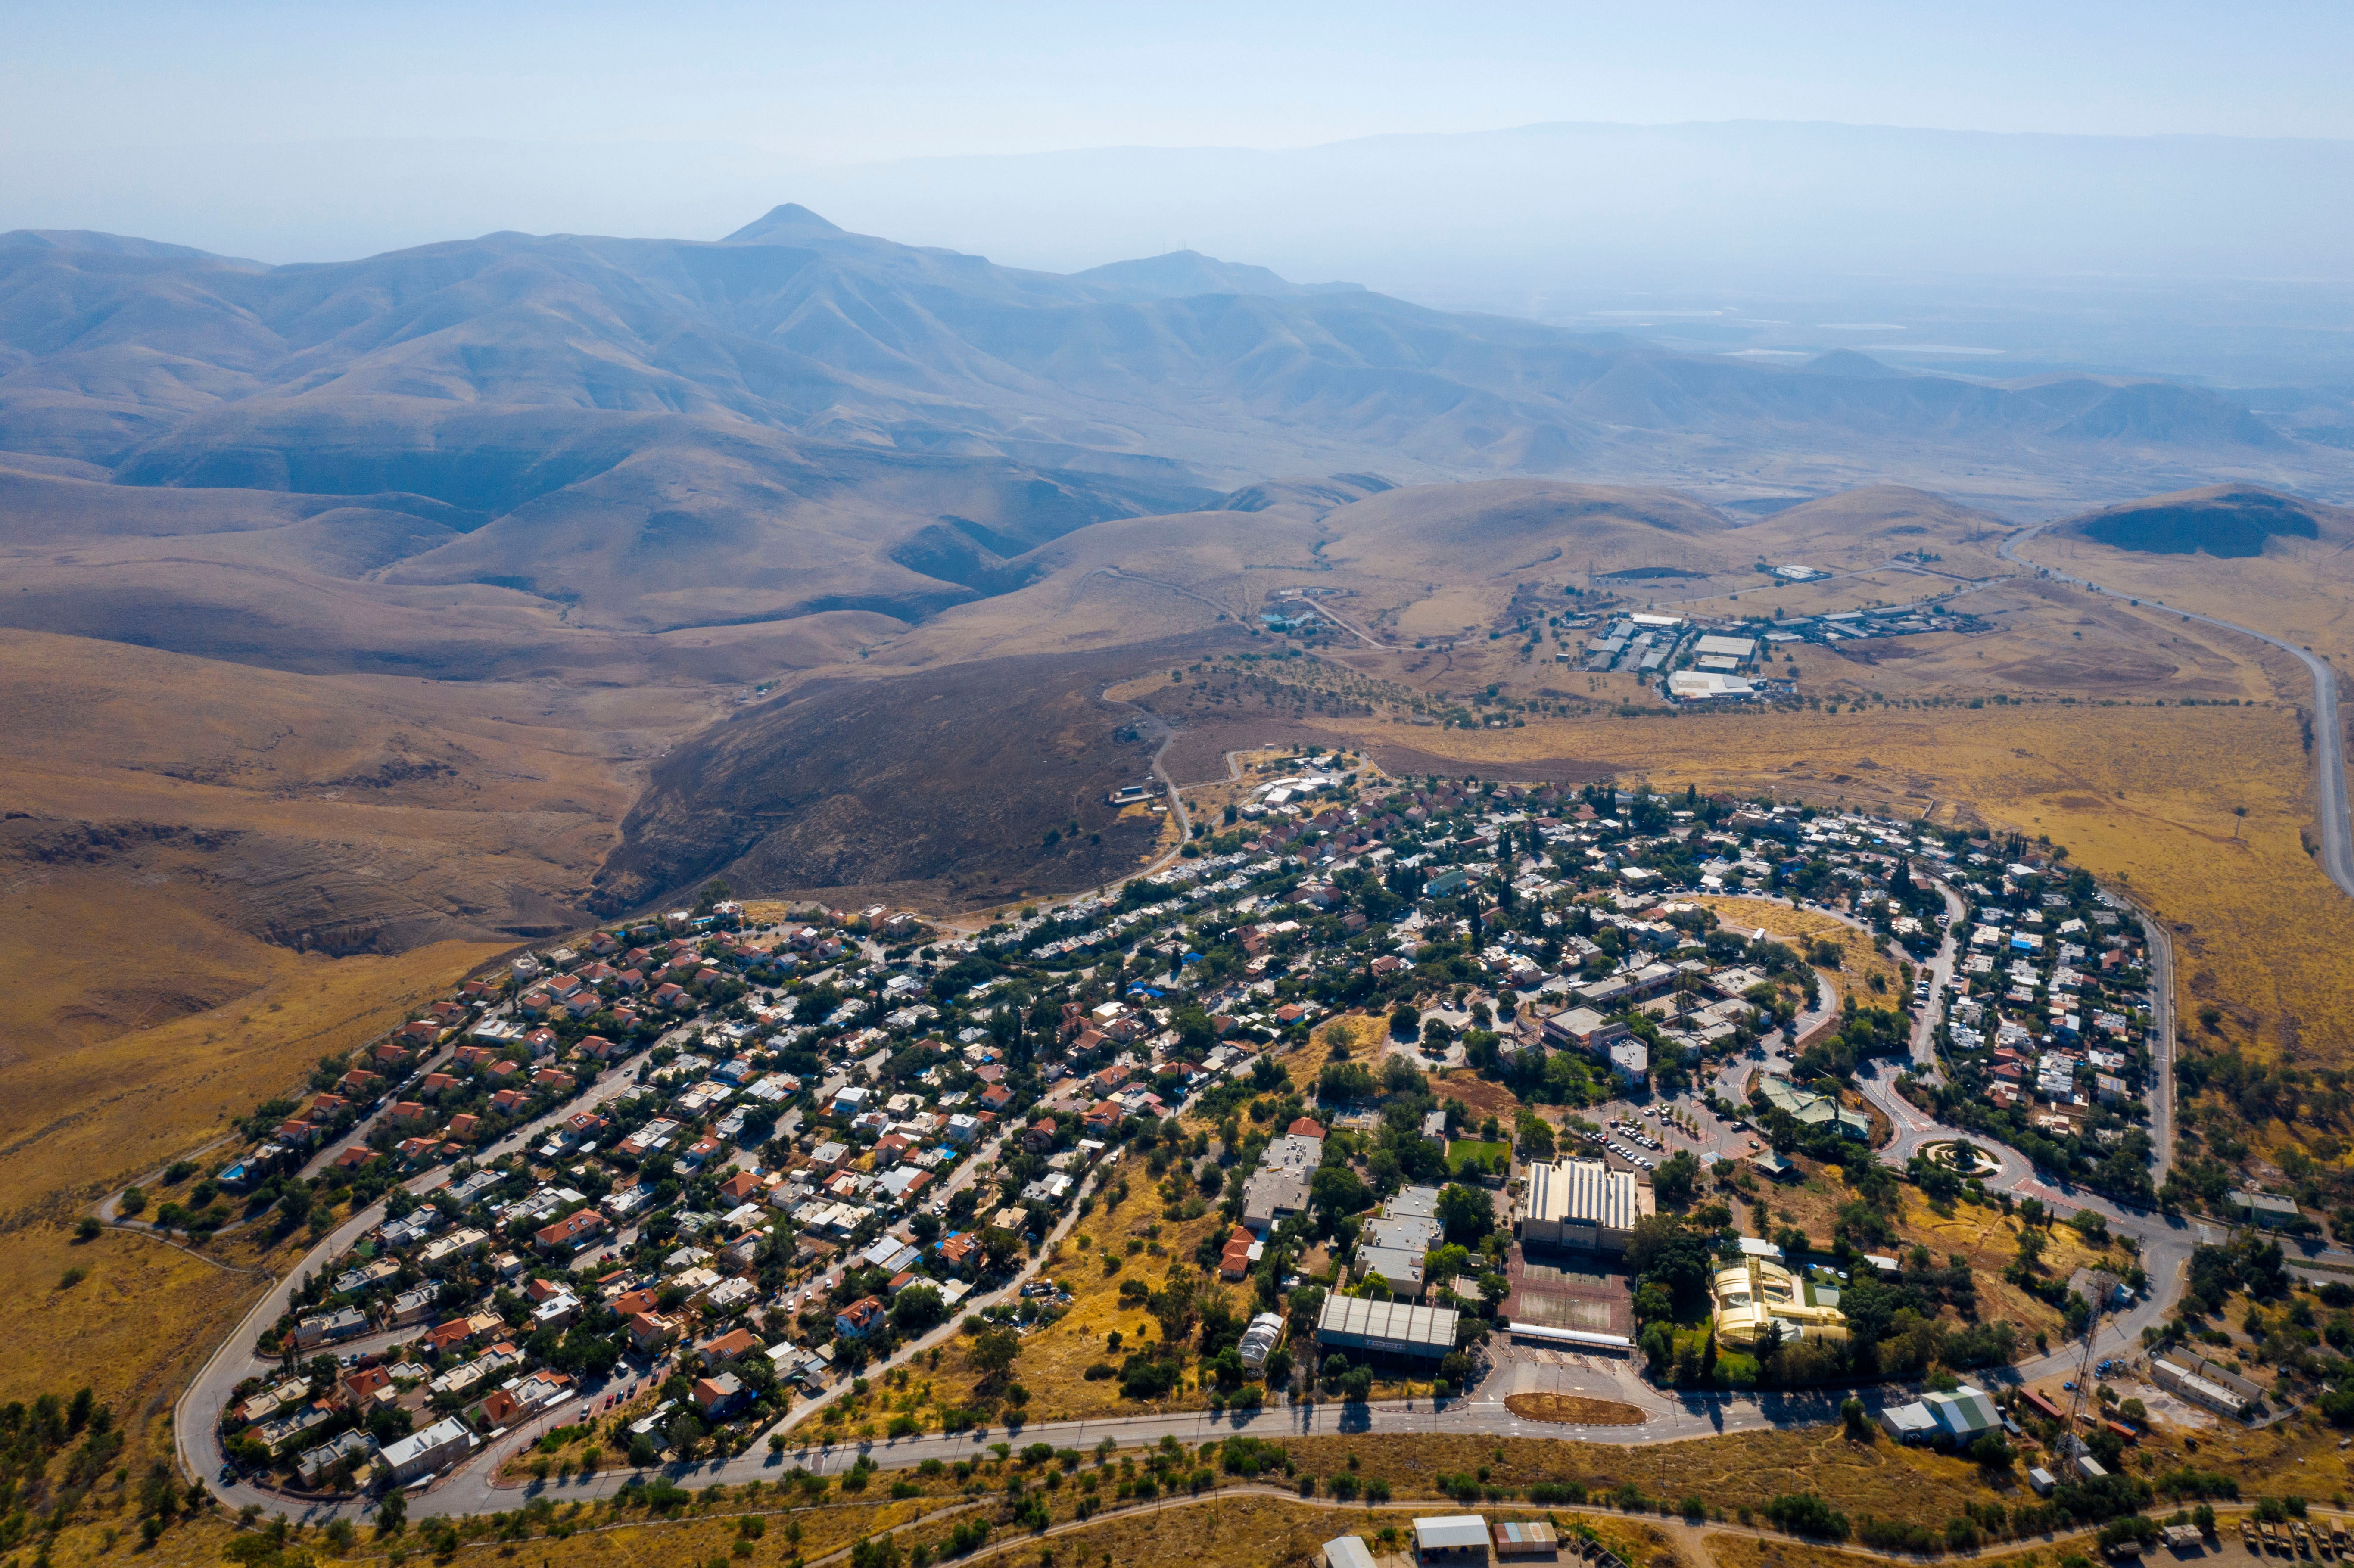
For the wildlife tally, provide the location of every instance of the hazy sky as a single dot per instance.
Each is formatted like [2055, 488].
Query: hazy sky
[843, 83]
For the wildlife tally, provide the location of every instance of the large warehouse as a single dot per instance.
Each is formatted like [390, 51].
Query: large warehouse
[1582, 1204]
[1393, 1328]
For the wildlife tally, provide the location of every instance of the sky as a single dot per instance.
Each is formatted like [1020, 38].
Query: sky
[1378, 143]
[838, 83]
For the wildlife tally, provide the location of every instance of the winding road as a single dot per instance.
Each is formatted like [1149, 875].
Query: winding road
[2337, 829]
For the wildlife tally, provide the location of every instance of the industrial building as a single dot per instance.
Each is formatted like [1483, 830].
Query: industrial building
[1957, 1419]
[1582, 1204]
[1388, 1328]
[1456, 1538]
[2203, 1383]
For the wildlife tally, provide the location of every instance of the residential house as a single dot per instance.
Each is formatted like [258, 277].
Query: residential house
[860, 1318]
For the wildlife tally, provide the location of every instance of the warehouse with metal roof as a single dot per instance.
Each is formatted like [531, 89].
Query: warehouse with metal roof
[1390, 1327]
[1582, 1204]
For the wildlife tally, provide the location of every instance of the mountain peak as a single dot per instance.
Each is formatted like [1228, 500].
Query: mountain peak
[789, 221]
[1848, 362]
[1180, 274]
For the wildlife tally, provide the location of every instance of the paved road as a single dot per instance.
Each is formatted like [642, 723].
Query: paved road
[2336, 829]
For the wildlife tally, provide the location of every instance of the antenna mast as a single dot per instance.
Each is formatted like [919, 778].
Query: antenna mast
[2103, 1289]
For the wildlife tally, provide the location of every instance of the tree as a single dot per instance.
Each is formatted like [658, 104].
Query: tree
[917, 1309]
[1177, 1304]
[1404, 1022]
[992, 1353]
[1535, 1137]
[1336, 1191]
[1672, 1182]
[1467, 1213]
[1858, 1424]
[391, 1513]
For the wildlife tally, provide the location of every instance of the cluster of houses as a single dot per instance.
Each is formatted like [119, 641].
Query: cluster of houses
[2057, 1000]
[796, 1125]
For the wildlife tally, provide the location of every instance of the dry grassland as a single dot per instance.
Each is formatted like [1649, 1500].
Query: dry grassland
[188, 841]
[1261, 1531]
[1054, 1359]
[2299, 589]
[1740, 1470]
[1860, 956]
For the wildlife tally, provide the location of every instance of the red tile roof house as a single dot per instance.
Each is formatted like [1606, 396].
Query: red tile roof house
[649, 1330]
[456, 1331]
[1041, 1135]
[997, 1096]
[631, 1303]
[461, 1129]
[499, 1409]
[860, 1318]
[569, 1233]
[673, 997]
[740, 1188]
[717, 1395]
[359, 1082]
[730, 1345]
[1235, 1262]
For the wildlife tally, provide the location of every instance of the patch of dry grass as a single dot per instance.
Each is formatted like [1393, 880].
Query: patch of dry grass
[1572, 1409]
[1054, 1359]
[1861, 957]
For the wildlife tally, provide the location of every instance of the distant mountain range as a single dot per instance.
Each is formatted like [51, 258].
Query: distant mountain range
[646, 435]
[168, 366]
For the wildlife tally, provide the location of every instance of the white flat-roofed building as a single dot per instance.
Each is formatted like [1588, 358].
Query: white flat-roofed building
[1582, 1204]
[1725, 647]
[1452, 1538]
[1348, 1551]
[1708, 685]
[1391, 1327]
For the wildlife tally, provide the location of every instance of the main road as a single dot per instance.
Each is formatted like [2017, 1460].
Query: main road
[2337, 829]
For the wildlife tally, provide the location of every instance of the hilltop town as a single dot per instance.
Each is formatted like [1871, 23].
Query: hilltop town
[700, 1172]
